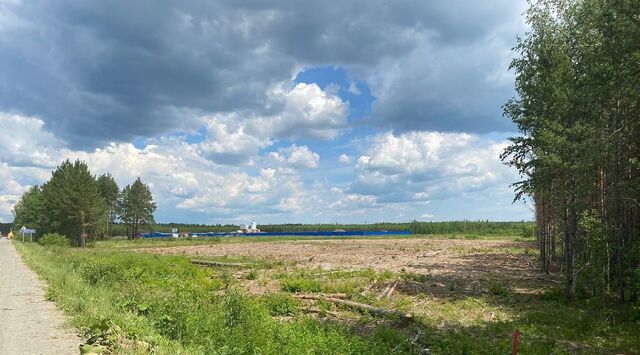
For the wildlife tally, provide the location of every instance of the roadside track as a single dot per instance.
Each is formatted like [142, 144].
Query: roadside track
[29, 324]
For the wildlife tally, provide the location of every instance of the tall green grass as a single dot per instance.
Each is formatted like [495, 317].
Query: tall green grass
[147, 303]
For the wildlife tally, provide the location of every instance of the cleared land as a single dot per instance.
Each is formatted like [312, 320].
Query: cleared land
[465, 294]
[433, 255]
[443, 261]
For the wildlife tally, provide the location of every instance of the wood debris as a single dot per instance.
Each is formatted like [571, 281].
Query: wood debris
[217, 263]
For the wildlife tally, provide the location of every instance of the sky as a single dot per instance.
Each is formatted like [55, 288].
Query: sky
[289, 111]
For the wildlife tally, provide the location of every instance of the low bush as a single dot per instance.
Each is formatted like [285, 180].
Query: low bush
[281, 305]
[301, 285]
[54, 239]
[498, 288]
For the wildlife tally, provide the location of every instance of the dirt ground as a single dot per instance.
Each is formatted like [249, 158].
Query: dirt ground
[28, 323]
[463, 259]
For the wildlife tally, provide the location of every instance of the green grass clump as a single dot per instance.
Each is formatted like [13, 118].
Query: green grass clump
[251, 275]
[301, 284]
[54, 239]
[498, 288]
[281, 304]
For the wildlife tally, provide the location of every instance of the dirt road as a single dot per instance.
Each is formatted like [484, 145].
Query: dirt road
[28, 323]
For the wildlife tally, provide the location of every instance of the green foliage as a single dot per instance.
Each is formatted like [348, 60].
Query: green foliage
[30, 210]
[69, 203]
[593, 266]
[135, 207]
[527, 231]
[252, 275]
[498, 288]
[72, 201]
[54, 239]
[416, 277]
[577, 111]
[470, 227]
[5, 228]
[108, 189]
[281, 305]
[301, 284]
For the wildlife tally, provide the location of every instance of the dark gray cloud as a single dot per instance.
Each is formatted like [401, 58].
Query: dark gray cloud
[97, 71]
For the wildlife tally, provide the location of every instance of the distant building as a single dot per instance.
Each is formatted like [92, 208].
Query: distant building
[252, 228]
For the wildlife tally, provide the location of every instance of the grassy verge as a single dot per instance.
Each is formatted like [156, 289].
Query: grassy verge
[137, 303]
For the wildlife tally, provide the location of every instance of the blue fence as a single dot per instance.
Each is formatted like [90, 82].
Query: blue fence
[282, 234]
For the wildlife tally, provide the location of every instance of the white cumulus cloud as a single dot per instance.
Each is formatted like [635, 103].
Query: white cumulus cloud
[298, 157]
[302, 111]
[429, 165]
[344, 159]
[229, 141]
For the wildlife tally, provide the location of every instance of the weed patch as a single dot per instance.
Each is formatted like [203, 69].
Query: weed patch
[301, 285]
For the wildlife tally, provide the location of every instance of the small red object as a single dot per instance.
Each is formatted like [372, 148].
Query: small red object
[516, 335]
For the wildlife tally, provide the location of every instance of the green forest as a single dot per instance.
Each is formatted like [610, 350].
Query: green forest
[578, 108]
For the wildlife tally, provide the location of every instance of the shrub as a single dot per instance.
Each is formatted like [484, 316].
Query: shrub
[251, 275]
[280, 305]
[497, 288]
[54, 239]
[301, 285]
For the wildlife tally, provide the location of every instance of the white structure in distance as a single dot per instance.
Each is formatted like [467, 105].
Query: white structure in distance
[252, 228]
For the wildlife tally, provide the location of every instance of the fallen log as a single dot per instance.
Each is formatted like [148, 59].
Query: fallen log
[393, 288]
[329, 272]
[549, 280]
[311, 296]
[362, 307]
[385, 291]
[369, 308]
[388, 290]
[217, 263]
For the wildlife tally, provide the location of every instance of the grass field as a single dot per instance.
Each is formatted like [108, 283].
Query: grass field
[466, 294]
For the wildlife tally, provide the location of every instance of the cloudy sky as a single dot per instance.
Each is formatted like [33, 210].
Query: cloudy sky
[236, 110]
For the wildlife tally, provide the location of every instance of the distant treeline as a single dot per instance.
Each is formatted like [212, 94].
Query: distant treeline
[120, 229]
[522, 228]
[292, 227]
[454, 227]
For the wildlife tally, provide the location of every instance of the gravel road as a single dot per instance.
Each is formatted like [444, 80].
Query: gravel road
[28, 323]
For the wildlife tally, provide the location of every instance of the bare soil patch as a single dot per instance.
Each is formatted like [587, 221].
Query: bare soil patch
[436, 257]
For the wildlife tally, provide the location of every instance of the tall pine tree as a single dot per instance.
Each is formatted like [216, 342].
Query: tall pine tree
[72, 202]
[109, 191]
[136, 207]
